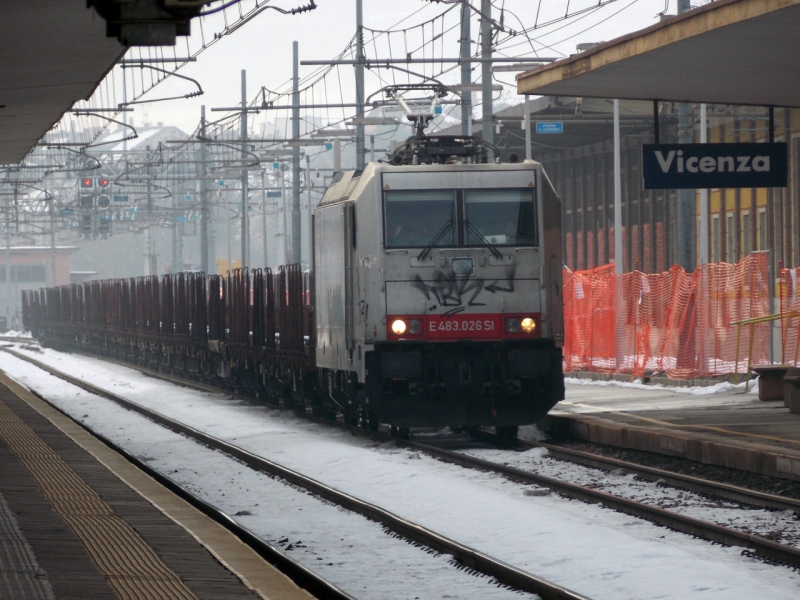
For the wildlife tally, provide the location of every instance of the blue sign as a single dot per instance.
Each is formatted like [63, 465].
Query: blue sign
[701, 166]
[120, 198]
[273, 193]
[328, 145]
[65, 211]
[549, 127]
[437, 110]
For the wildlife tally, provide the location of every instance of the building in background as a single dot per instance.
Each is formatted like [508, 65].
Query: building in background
[31, 269]
[580, 163]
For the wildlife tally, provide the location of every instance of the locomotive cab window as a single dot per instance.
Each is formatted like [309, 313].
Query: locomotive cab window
[418, 218]
[499, 217]
[459, 218]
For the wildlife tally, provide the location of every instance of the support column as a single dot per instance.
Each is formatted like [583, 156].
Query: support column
[486, 75]
[686, 198]
[245, 215]
[466, 70]
[204, 215]
[360, 59]
[296, 241]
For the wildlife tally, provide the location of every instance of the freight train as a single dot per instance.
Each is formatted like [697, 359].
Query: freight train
[434, 300]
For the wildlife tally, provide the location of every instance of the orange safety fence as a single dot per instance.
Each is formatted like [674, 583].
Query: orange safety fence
[673, 322]
[790, 326]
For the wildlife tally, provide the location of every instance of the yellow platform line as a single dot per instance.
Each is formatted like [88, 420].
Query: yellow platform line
[130, 564]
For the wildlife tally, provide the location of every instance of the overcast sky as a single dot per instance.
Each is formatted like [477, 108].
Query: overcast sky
[263, 46]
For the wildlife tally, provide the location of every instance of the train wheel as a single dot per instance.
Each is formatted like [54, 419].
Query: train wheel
[369, 420]
[507, 436]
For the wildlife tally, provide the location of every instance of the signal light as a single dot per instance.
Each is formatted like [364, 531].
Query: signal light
[87, 183]
[103, 182]
[103, 202]
[86, 201]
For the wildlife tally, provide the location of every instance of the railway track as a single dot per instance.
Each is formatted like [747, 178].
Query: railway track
[464, 555]
[757, 545]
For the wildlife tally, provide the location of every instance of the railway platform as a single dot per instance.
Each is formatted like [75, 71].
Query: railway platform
[77, 520]
[726, 428]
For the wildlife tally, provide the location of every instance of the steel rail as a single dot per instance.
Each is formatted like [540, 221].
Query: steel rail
[703, 529]
[465, 555]
[697, 527]
[679, 480]
[297, 572]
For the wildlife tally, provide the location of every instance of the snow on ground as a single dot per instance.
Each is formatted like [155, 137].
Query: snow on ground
[592, 550]
[585, 396]
[347, 549]
[779, 526]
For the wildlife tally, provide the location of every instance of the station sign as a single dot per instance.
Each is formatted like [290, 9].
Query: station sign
[549, 127]
[700, 166]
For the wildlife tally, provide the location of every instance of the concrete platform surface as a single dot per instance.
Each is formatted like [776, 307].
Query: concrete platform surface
[720, 425]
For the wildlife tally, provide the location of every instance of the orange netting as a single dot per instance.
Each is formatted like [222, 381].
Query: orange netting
[675, 322]
[790, 325]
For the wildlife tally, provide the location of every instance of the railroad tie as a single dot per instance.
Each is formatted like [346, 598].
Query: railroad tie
[130, 564]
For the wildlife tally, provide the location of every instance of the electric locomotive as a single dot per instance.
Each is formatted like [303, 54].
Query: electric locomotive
[438, 298]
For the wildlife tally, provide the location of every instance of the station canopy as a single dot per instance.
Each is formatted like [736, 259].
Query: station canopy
[52, 53]
[728, 52]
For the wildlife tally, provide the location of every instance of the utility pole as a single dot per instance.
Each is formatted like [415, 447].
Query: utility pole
[309, 186]
[152, 261]
[360, 59]
[53, 281]
[686, 198]
[264, 217]
[704, 215]
[245, 217]
[203, 195]
[486, 72]
[466, 70]
[8, 260]
[296, 241]
[177, 234]
[619, 252]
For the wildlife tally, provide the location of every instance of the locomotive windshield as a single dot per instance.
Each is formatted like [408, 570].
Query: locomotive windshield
[500, 217]
[453, 218]
[416, 218]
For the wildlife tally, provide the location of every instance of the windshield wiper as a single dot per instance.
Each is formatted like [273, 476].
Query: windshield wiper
[480, 236]
[439, 235]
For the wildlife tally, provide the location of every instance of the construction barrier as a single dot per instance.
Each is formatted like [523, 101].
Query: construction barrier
[790, 308]
[674, 322]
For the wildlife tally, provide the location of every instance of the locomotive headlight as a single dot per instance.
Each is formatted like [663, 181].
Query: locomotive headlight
[398, 327]
[512, 325]
[415, 327]
[528, 325]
